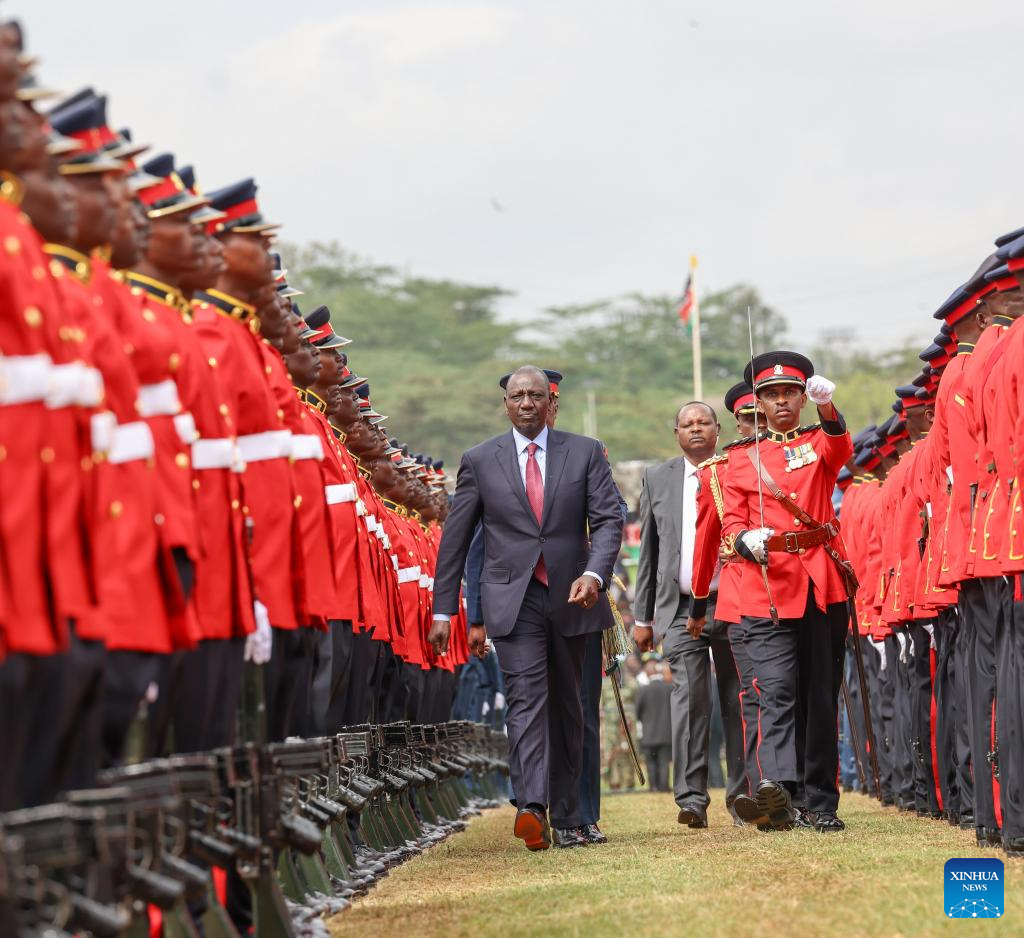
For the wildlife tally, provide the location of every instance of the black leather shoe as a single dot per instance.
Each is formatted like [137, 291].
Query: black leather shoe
[988, 836]
[804, 820]
[825, 822]
[745, 808]
[693, 815]
[593, 835]
[1014, 846]
[531, 827]
[967, 822]
[567, 837]
[776, 803]
[953, 817]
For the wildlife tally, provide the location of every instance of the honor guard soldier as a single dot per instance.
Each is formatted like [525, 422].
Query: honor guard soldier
[794, 587]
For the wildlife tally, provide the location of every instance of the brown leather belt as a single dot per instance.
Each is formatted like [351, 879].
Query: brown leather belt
[796, 542]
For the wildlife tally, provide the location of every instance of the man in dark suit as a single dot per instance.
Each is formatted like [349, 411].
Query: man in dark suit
[536, 491]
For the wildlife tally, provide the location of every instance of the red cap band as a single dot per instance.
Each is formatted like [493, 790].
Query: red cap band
[780, 373]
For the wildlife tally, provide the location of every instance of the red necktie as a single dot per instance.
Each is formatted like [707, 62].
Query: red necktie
[535, 494]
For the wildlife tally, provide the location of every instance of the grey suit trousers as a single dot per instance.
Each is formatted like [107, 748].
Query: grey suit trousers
[544, 717]
[691, 707]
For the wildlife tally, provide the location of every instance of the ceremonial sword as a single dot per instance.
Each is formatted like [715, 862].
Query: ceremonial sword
[760, 487]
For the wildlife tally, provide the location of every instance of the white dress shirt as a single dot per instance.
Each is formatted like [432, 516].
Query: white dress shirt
[522, 444]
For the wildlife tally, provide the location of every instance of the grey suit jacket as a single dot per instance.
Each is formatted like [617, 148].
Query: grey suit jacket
[578, 491]
[657, 572]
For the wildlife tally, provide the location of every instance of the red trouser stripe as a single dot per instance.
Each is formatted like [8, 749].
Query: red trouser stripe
[932, 719]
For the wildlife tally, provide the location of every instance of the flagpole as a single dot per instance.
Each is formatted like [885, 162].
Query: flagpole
[698, 377]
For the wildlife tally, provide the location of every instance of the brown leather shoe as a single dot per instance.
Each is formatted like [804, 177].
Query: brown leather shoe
[531, 827]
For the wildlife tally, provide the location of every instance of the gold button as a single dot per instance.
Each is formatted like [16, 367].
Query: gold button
[298, 501]
[223, 410]
[136, 291]
[792, 494]
[181, 461]
[56, 268]
[195, 484]
[269, 370]
[280, 414]
[11, 244]
[174, 362]
[86, 464]
[245, 509]
[796, 521]
[149, 315]
[32, 316]
[47, 454]
[98, 455]
[802, 551]
[158, 519]
[234, 504]
[213, 362]
[115, 509]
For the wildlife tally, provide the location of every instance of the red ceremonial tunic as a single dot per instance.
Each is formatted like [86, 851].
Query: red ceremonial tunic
[223, 326]
[789, 575]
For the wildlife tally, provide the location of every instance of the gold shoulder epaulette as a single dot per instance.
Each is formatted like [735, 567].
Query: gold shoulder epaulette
[721, 457]
[742, 441]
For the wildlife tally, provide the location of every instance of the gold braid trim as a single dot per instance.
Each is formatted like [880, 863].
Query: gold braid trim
[716, 492]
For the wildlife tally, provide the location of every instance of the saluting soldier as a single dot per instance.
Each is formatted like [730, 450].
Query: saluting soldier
[793, 587]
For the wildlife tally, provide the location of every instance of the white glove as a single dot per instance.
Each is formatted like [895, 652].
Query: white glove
[499, 701]
[820, 389]
[259, 644]
[930, 629]
[754, 540]
[902, 639]
[880, 648]
[485, 709]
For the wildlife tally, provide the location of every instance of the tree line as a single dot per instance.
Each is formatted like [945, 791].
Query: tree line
[434, 349]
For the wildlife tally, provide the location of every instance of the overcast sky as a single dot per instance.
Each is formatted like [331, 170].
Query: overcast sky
[853, 161]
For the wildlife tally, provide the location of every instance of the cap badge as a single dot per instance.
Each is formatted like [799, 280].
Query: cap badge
[778, 369]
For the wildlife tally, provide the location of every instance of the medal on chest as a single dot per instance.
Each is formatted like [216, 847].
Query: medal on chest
[799, 456]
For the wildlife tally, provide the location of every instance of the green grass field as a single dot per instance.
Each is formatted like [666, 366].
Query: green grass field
[883, 876]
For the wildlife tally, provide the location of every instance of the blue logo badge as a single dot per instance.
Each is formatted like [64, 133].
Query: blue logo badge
[973, 888]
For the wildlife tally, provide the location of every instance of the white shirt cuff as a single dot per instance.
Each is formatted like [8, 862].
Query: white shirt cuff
[600, 582]
[438, 617]
[641, 625]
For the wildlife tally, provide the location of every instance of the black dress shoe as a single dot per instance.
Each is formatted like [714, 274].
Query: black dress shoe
[693, 815]
[776, 803]
[745, 808]
[1014, 846]
[531, 827]
[566, 838]
[966, 821]
[804, 820]
[825, 822]
[988, 836]
[593, 835]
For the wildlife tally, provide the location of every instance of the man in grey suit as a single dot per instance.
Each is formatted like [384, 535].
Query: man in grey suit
[552, 529]
[668, 521]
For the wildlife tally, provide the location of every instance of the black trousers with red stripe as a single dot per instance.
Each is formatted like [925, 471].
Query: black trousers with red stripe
[798, 665]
